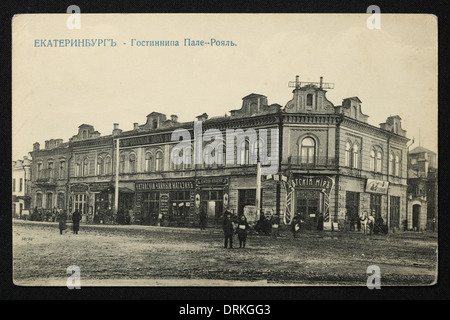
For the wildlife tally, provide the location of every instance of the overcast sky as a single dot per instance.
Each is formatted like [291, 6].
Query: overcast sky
[393, 70]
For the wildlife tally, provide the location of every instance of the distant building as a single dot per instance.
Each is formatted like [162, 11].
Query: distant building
[49, 175]
[422, 189]
[21, 179]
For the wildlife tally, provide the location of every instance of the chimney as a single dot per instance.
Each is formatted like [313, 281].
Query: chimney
[174, 118]
[297, 81]
[116, 130]
[36, 146]
[321, 82]
[202, 117]
[47, 144]
[135, 126]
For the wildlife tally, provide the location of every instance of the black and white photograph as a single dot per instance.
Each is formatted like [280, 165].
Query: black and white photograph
[224, 150]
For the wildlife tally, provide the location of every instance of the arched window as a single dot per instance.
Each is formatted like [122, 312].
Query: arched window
[309, 100]
[379, 165]
[100, 166]
[372, 160]
[355, 156]
[159, 161]
[108, 168]
[38, 200]
[122, 164]
[60, 201]
[132, 163]
[85, 167]
[391, 164]
[308, 151]
[148, 162]
[397, 165]
[244, 154]
[62, 169]
[348, 149]
[49, 202]
[50, 170]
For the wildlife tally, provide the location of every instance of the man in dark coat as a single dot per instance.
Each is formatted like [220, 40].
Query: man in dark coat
[76, 217]
[242, 227]
[203, 218]
[62, 221]
[228, 229]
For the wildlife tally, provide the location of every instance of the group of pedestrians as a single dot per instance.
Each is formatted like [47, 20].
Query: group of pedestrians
[229, 229]
[76, 218]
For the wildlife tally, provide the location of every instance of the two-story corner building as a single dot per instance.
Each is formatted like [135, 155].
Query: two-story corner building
[422, 189]
[338, 164]
[320, 160]
[21, 180]
[49, 175]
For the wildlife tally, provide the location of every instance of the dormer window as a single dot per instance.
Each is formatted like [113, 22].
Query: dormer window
[84, 134]
[309, 100]
[154, 124]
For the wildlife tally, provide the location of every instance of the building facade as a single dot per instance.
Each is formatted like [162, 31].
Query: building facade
[422, 190]
[21, 179]
[49, 176]
[322, 161]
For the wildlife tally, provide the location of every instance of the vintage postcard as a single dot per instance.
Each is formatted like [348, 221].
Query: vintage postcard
[224, 150]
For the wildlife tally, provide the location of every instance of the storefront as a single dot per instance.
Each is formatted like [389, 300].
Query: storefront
[165, 202]
[212, 194]
[312, 199]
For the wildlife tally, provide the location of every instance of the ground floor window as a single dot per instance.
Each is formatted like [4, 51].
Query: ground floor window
[179, 204]
[80, 203]
[60, 201]
[39, 200]
[150, 208]
[247, 197]
[49, 202]
[394, 212]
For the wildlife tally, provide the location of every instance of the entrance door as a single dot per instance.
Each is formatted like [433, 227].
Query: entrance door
[211, 210]
[395, 212]
[416, 216]
[352, 206]
[375, 204]
[308, 205]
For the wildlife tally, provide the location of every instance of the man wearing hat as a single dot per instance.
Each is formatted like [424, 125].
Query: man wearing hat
[228, 229]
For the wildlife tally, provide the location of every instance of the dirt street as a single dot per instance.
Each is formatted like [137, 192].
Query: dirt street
[158, 256]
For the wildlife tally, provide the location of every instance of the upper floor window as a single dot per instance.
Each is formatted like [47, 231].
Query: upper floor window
[78, 166]
[348, 149]
[62, 169]
[122, 163]
[308, 151]
[355, 156]
[14, 185]
[50, 170]
[132, 163]
[20, 184]
[309, 100]
[85, 167]
[397, 165]
[244, 154]
[100, 166]
[148, 162]
[159, 161]
[379, 161]
[108, 168]
[391, 164]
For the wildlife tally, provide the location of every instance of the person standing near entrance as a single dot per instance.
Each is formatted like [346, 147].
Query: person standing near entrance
[62, 221]
[241, 230]
[76, 217]
[228, 229]
[203, 218]
[275, 222]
